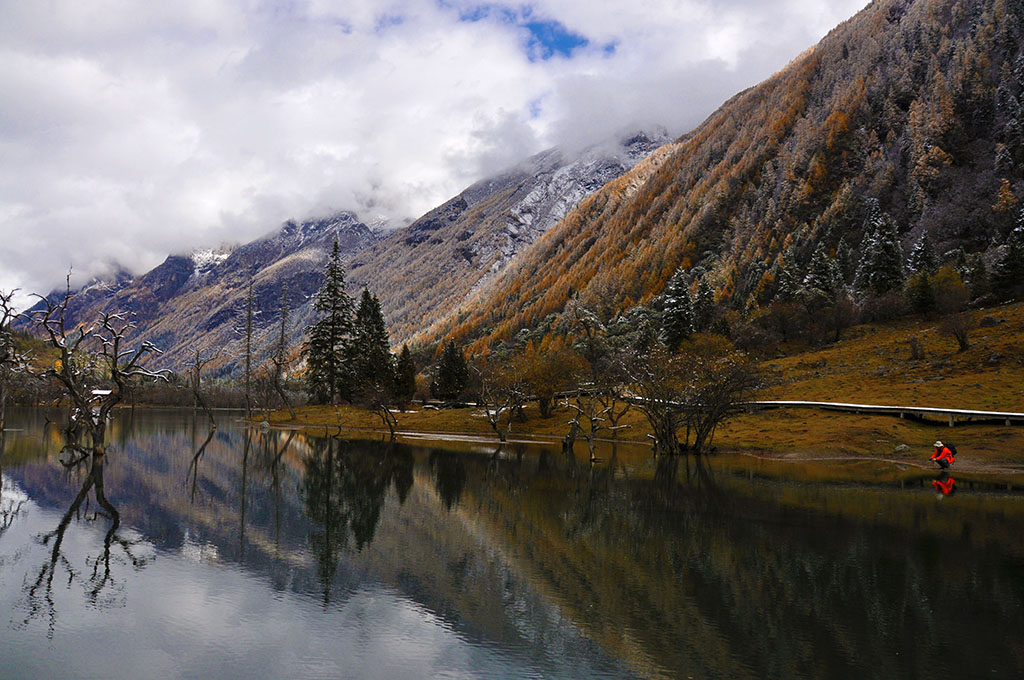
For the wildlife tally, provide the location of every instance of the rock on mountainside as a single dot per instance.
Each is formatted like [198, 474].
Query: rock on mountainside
[198, 302]
[422, 273]
[913, 106]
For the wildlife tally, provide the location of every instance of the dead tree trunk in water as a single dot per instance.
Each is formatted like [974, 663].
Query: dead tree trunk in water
[195, 382]
[90, 356]
[248, 354]
[12, 362]
[280, 357]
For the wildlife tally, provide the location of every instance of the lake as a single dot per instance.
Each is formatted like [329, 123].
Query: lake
[235, 553]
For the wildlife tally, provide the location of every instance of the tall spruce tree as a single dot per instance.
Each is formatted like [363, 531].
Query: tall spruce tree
[328, 376]
[677, 314]
[703, 306]
[371, 360]
[823, 275]
[1007, 277]
[881, 263]
[452, 373]
[405, 376]
[922, 257]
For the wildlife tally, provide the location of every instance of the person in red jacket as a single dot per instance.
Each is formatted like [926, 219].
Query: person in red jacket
[943, 456]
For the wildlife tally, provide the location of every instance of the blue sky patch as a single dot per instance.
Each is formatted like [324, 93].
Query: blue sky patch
[386, 21]
[550, 38]
[543, 38]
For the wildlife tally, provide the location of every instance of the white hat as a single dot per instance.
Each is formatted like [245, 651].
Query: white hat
[938, 445]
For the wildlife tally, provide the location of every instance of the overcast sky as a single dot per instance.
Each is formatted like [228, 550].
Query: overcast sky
[134, 129]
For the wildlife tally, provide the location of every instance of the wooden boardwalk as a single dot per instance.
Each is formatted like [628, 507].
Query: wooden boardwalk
[951, 415]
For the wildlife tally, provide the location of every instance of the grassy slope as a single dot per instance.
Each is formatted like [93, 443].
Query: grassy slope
[870, 365]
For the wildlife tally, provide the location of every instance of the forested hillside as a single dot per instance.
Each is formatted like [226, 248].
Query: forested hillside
[423, 272]
[906, 120]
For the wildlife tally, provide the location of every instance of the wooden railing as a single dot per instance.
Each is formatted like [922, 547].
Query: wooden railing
[922, 412]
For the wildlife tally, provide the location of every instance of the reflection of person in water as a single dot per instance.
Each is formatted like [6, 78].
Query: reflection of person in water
[944, 484]
[943, 455]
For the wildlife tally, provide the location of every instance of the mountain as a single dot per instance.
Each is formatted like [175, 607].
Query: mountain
[916, 104]
[420, 272]
[198, 301]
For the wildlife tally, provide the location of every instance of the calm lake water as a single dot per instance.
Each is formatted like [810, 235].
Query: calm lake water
[240, 554]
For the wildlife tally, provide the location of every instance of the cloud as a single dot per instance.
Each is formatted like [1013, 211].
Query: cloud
[130, 130]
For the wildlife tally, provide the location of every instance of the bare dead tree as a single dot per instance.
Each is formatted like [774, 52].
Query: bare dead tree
[379, 398]
[700, 388]
[195, 377]
[717, 386]
[592, 417]
[248, 353]
[658, 381]
[280, 357]
[503, 392]
[90, 356]
[958, 325]
[12, 361]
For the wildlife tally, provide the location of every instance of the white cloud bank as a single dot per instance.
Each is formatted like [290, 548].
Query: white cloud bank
[131, 129]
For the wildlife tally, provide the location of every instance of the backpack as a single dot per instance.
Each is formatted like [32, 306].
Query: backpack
[952, 448]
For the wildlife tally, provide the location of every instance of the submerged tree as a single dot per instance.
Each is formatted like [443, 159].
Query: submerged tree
[91, 357]
[699, 388]
[12, 360]
[279, 359]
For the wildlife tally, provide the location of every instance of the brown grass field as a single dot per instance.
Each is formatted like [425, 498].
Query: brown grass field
[871, 364]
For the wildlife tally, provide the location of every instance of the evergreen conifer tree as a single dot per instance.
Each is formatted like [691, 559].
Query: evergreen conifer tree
[1008, 272]
[703, 306]
[922, 257]
[327, 375]
[788, 285]
[881, 265]
[677, 315]
[405, 376]
[823, 275]
[452, 373]
[370, 352]
[976, 276]
[921, 293]
[844, 260]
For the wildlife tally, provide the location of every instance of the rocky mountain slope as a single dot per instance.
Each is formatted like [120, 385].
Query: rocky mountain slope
[198, 302]
[916, 104]
[420, 272]
[424, 272]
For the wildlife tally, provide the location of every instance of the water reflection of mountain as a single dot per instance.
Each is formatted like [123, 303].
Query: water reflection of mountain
[416, 549]
[678, 569]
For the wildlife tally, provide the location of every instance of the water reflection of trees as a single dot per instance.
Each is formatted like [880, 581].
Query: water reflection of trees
[687, 571]
[344, 489]
[98, 580]
[10, 507]
[449, 472]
